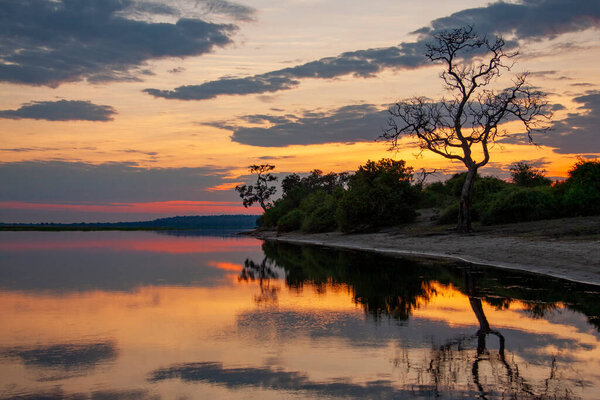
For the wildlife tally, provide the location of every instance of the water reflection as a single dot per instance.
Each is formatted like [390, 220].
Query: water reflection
[225, 318]
[397, 287]
[263, 273]
[411, 286]
[66, 356]
[275, 380]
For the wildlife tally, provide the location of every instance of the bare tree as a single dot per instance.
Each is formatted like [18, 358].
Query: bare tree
[260, 192]
[464, 126]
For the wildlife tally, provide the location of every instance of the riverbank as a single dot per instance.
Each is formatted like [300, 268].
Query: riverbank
[564, 248]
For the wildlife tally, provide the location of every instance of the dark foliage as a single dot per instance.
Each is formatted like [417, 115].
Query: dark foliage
[581, 191]
[315, 198]
[525, 175]
[262, 190]
[291, 221]
[379, 194]
[522, 204]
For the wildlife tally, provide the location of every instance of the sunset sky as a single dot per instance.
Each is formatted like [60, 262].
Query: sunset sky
[114, 110]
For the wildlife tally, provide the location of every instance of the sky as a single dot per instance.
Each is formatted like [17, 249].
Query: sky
[125, 110]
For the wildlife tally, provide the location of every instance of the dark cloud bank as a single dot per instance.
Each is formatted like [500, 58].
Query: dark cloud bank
[44, 42]
[577, 133]
[62, 110]
[530, 19]
[348, 124]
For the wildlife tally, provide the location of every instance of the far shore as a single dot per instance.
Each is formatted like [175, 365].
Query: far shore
[564, 248]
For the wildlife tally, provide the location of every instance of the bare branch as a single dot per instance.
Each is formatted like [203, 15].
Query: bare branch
[471, 118]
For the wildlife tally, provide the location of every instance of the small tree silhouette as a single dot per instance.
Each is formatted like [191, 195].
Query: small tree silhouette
[260, 192]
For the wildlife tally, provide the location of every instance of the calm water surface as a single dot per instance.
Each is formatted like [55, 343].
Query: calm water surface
[143, 315]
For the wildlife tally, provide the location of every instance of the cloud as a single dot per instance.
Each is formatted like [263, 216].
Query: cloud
[362, 63]
[61, 110]
[530, 19]
[47, 42]
[347, 124]
[575, 134]
[60, 181]
[578, 133]
[268, 158]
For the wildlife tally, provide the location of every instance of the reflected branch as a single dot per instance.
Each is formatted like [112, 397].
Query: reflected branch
[262, 272]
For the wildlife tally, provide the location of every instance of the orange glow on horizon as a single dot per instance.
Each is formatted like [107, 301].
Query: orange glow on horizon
[157, 207]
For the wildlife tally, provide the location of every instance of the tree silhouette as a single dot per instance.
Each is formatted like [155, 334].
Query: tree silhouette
[260, 192]
[468, 123]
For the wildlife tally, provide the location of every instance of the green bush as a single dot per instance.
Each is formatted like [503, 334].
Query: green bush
[455, 184]
[521, 204]
[291, 221]
[449, 215]
[280, 208]
[581, 191]
[486, 187]
[436, 195]
[379, 194]
[319, 210]
[526, 175]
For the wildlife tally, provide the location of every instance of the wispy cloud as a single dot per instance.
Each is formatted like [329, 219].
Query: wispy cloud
[529, 19]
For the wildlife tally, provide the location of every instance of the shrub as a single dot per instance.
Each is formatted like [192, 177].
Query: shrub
[291, 221]
[581, 191]
[486, 187]
[273, 214]
[436, 195]
[521, 204]
[444, 194]
[455, 184]
[319, 210]
[379, 194]
[526, 175]
[449, 215]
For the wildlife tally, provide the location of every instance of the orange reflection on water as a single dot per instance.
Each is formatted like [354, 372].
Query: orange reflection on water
[155, 327]
[166, 244]
[226, 266]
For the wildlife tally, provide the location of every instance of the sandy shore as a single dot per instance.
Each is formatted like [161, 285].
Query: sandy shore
[575, 259]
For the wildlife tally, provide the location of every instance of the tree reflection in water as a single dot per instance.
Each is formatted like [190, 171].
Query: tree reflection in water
[263, 272]
[395, 288]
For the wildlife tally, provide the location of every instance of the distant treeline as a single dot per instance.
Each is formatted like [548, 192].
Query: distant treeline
[184, 222]
[385, 193]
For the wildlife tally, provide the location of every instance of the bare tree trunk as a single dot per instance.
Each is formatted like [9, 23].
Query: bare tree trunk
[466, 201]
[475, 301]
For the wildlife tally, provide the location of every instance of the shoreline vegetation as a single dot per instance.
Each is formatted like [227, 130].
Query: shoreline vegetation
[529, 223]
[388, 193]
